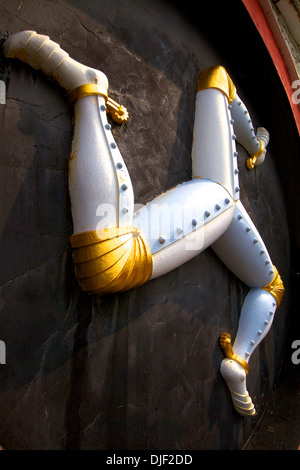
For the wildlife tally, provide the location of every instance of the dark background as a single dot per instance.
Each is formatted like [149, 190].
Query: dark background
[138, 370]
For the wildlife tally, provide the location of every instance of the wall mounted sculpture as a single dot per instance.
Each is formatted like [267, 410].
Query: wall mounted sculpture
[116, 248]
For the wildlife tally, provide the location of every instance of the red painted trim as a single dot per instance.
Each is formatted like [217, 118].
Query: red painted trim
[259, 19]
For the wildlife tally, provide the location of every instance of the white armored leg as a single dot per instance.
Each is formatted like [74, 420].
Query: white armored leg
[98, 174]
[221, 118]
[254, 144]
[100, 187]
[214, 153]
[106, 247]
[182, 222]
[41, 53]
[185, 220]
[224, 119]
[244, 253]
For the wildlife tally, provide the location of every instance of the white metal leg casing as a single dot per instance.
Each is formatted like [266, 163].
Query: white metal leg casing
[183, 221]
[243, 251]
[99, 184]
[214, 154]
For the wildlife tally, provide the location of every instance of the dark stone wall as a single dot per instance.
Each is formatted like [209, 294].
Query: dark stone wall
[138, 370]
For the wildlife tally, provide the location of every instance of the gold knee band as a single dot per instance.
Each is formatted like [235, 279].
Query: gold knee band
[225, 343]
[111, 260]
[117, 111]
[276, 287]
[217, 77]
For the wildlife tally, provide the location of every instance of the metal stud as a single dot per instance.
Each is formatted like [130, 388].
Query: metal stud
[261, 252]
[113, 145]
[266, 322]
[217, 207]
[240, 217]
[162, 239]
[248, 229]
[236, 171]
[102, 107]
[207, 213]
[124, 186]
[107, 127]
[252, 342]
[237, 189]
[247, 354]
[125, 210]
[179, 230]
[267, 262]
[255, 241]
[119, 165]
[227, 201]
[235, 154]
[259, 332]
[194, 222]
[233, 136]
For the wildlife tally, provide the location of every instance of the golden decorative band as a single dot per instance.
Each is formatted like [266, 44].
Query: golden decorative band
[225, 343]
[118, 112]
[86, 90]
[111, 260]
[217, 77]
[250, 162]
[276, 287]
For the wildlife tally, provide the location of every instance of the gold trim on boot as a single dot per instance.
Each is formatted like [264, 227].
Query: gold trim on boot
[225, 343]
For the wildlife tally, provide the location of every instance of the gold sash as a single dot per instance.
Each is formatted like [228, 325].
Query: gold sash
[111, 260]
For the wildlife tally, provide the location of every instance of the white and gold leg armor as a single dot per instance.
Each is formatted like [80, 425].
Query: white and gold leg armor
[240, 247]
[109, 254]
[244, 253]
[116, 249]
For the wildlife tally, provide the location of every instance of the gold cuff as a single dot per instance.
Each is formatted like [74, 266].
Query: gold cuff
[276, 287]
[250, 162]
[116, 111]
[111, 260]
[86, 90]
[217, 77]
[225, 343]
